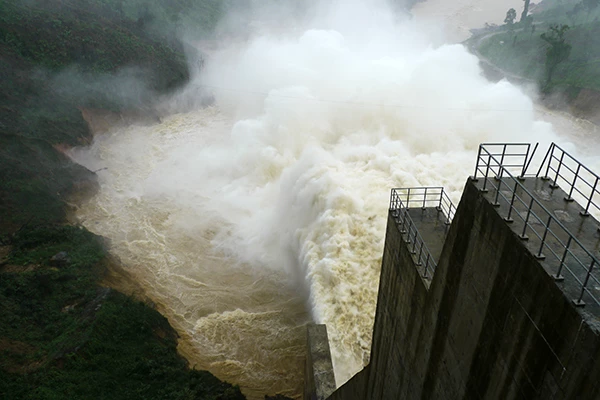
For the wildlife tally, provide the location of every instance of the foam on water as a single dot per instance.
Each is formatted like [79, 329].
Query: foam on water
[241, 322]
[247, 219]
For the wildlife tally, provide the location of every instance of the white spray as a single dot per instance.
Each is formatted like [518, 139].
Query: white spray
[242, 218]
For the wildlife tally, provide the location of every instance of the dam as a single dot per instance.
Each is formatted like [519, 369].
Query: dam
[496, 298]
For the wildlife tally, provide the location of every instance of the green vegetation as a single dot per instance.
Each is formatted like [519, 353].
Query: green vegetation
[558, 46]
[56, 57]
[62, 336]
[52, 41]
[557, 51]
[511, 15]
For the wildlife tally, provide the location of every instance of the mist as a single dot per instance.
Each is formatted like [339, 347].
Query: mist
[248, 218]
[330, 118]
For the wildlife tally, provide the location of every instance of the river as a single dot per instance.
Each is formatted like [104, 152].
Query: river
[245, 220]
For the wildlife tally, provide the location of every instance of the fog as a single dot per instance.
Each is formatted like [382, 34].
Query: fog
[246, 219]
[330, 117]
[455, 19]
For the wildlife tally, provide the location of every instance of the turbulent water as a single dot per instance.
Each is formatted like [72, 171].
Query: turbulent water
[247, 219]
[241, 320]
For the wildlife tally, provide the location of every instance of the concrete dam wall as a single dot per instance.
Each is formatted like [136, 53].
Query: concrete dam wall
[498, 320]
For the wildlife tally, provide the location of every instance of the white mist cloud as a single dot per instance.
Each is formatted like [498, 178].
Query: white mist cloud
[327, 117]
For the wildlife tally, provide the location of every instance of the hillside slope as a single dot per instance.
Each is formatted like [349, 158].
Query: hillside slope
[63, 335]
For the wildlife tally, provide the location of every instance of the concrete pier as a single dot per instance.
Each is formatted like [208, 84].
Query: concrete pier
[496, 321]
[319, 377]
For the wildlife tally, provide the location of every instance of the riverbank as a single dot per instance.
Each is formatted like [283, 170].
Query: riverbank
[464, 16]
[65, 334]
[518, 53]
[581, 103]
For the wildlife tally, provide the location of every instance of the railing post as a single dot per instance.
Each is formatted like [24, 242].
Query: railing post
[512, 202]
[586, 213]
[555, 185]
[414, 250]
[500, 167]
[528, 159]
[569, 198]
[403, 227]
[448, 216]
[523, 236]
[477, 162]
[558, 276]
[424, 199]
[552, 146]
[408, 198]
[496, 203]
[539, 255]
[522, 174]
[408, 222]
[579, 302]
[487, 171]
[420, 254]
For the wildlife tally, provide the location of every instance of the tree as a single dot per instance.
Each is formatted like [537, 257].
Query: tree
[558, 51]
[511, 15]
[525, 10]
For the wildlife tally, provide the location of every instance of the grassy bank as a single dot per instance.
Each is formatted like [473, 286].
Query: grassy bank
[521, 50]
[524, 54]
[64, 337]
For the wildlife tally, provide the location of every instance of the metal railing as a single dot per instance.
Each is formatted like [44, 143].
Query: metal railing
[545, 234]
[425, 197]
[574, 177]
[513, 157]
[401, 199]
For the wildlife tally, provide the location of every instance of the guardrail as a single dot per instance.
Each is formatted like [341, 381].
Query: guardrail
[513, 157]
[425, 197]
[578, 180]
[401, 199]
[545, 233]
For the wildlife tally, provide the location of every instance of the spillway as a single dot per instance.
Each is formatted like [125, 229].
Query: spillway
[244, 220]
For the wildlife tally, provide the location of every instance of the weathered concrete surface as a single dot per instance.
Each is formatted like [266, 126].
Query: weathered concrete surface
[319, 380]
[432, 227]
[493, 324]
[566, 213]
[354, 389]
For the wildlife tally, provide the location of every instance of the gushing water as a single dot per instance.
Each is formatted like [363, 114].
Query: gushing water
[247, 219]
[241, 321]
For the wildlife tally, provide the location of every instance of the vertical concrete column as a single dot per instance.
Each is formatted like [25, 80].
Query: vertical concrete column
[319, 380]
